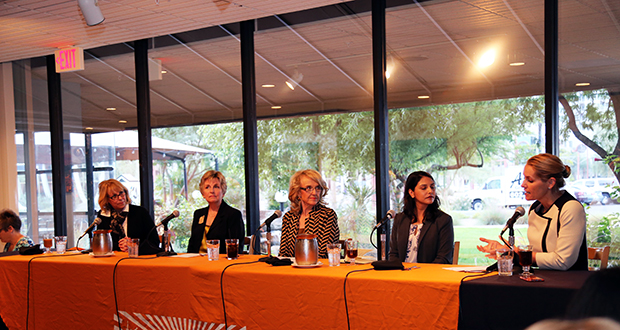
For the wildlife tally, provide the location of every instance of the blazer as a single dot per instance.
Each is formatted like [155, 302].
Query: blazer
[436, 243]
[228, 223]
[139, 225]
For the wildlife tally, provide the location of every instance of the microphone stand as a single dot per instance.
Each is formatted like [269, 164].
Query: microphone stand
[165, 240]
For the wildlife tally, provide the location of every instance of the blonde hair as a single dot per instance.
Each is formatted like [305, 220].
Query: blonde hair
[294, 189]
[550, 166]
[212, 174]
[104, 187]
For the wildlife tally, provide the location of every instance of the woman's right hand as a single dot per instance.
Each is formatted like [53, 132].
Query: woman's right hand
[490, 248]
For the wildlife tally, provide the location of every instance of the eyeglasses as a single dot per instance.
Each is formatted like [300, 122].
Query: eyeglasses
[309, 190]
[117, 196]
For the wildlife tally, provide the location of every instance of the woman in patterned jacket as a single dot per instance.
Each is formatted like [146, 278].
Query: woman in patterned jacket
[308, 214]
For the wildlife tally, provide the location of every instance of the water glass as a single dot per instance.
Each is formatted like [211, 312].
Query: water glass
[232, 248]
[213, 249]
[61, 244]
[333, 254]
[504, 262]
[133, 246]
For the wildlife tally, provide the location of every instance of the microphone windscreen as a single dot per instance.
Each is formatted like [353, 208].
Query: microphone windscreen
[278, 213]
[176, 213]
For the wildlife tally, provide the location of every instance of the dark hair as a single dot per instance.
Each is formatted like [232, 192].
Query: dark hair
[409, 207]
[598, 296]
[8, 218]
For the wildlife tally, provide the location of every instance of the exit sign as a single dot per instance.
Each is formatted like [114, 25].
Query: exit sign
[69, 59]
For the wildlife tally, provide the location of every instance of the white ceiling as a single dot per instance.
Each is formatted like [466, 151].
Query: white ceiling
[431, 47]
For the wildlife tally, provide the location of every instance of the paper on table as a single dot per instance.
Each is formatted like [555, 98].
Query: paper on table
[187, 255]
[468, 269]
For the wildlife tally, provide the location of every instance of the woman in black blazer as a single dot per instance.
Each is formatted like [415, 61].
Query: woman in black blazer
[422, 233]
[216, 221]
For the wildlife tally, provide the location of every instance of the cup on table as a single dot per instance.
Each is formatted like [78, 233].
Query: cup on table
[333, 254]
[61, 244]
[232, 248]
[133, 246]
[504, 262]
[213, 249]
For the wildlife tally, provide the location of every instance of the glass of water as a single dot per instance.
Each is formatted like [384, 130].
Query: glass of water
[213, 249]
[333, 254]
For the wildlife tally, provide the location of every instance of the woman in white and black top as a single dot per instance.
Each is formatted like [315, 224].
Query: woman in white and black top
[557, 221]
[308, 214]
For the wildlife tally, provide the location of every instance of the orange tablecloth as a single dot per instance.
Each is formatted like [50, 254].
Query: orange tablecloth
[71, 292]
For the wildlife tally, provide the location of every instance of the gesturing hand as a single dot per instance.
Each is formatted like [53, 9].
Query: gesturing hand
[490, 248]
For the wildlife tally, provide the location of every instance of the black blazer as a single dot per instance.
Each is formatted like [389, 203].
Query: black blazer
[228, 223]
[139, 225]
[436, 239]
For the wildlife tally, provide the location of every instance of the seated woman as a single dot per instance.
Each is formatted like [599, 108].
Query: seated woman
[308, 214]
[125, 220]
[216, 221]
[422, 232]
[556, 221]
[10, 224]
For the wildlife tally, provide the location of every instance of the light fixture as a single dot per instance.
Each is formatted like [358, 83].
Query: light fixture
[122, 122]
[88, 128]
[296, 78]
[164, 71]
[487, 58]
[515, 59]
[91, 11]
[276, 107]
[424, 97]
[268, 86]
[111, 109]
[387, 74]
[583, 84]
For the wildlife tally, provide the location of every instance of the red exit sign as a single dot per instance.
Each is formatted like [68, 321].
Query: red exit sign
[69, 59]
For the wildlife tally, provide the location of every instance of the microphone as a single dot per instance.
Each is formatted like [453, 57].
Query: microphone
[520, 211]
[96, 222]
[276, 214]
[390, 214]
[167, 219]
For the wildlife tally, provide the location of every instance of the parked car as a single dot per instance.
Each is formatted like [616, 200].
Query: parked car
[582, 193]
[503, 191]
[603, 187]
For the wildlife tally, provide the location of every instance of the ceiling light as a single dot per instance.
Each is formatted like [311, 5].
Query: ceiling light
[122, 122]
[164, 71]
[517, 64]
[276, 107]
[487, 58]
[111, 109]
[268, 86]
[424, 97]
[387, 74]
[91, 11]
[88, 128]
[582, 84]
[290, 85]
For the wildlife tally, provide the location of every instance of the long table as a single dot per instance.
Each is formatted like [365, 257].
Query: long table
[83, 292]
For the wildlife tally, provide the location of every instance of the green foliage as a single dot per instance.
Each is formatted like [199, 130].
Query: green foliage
[354, 219]
[603, 232]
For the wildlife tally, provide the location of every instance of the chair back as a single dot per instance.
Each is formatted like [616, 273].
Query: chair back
[599, 253]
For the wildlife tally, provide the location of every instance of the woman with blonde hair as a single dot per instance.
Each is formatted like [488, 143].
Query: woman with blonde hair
[308, 214]
[556, 220]
[216, 221]
[125, 220]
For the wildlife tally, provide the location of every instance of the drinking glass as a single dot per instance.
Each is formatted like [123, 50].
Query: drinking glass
[213, 249]
[61, 244]
[525, 259]
[232, 248]
[333, 254]
[48, 242]
[352, 250]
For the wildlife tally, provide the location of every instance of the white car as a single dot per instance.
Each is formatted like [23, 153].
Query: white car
[603, 187]
[502, 191]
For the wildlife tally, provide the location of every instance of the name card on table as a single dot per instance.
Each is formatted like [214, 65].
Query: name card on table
[69, 59]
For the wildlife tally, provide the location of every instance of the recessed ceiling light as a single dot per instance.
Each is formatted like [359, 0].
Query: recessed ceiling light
[111, 109]
[582, 84]
[164, 71]
[122, 122]
[517, 64]
[276, 107]
[487, 58]
[268, 86]
[290, 85]
[88, 128]
[424, 97]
